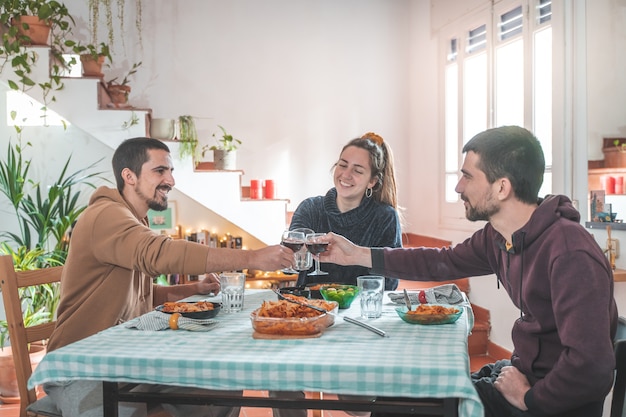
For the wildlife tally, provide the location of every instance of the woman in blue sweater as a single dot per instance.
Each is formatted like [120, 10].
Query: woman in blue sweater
[362, 206]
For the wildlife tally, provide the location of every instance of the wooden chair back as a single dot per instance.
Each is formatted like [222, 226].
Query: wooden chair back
[412, 240]
[20, 336]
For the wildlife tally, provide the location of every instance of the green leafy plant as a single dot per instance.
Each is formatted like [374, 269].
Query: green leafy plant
[188, 137]
[226, 143]
[127, 76]
[44, 214]
[621, 146]
[21, 60]
[95, 51]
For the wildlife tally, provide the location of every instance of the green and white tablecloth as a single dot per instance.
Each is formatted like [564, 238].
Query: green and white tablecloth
[415, 361]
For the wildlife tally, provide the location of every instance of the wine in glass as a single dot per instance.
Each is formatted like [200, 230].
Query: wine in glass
[293, 240]
[316, 246]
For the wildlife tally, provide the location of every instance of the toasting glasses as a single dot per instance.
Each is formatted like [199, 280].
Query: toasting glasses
[316, 246]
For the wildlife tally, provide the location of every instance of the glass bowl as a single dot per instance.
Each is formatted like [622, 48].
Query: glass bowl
[314, 323]
[343, 294]
[428, 317]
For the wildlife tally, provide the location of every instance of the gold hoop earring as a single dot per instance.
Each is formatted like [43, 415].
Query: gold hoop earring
[369, 192]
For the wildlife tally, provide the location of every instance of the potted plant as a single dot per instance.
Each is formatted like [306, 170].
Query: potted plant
[30, 22]
[44, 216]
[225, 152]
[188, 137]
[20, 18]
[119, 91]
[92, 57]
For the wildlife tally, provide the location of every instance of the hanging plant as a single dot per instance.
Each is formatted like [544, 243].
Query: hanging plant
[107, 6]
[188, 137]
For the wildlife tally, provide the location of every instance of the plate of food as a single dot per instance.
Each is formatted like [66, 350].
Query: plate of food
[191, 309]
[284, 319]
[430, 314]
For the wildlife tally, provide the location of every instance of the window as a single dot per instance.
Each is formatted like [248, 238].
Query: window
[497, 70]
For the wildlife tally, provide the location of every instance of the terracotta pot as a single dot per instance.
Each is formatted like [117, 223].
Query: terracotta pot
[614, 157]
[119, 93]
[9, 392]
[92, 67]
[38, 30]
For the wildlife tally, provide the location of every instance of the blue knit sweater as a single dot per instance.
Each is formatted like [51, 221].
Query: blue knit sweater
[371, 224]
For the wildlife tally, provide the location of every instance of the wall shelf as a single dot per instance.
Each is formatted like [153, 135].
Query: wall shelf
[603, 225]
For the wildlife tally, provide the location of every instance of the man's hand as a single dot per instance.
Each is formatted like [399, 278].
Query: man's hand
[210, 284]
[341, 251]
[272, 258]
[513, 385]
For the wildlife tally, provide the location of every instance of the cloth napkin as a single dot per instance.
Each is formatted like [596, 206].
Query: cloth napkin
[442, 294]
[155, 320]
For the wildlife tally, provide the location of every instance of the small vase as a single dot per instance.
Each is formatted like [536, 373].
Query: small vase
[224, 160]
[162, 129]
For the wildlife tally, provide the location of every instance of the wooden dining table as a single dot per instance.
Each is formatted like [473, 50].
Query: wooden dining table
[415, 369]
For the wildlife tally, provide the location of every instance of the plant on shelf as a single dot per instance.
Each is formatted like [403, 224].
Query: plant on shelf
[188, 137]
[18, 32]
[224, 153]
[620, 144]
[92, 57]
[119, 91]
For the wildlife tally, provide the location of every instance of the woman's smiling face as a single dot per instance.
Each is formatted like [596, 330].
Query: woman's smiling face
[353, 174]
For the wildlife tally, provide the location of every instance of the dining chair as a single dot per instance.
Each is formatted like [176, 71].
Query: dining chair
[20, 336]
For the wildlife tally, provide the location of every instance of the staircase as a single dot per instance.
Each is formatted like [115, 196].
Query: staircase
[84, 103]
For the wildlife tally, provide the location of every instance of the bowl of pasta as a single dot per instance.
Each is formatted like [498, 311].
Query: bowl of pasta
[191, 310]
[285, 318]
[430, 314]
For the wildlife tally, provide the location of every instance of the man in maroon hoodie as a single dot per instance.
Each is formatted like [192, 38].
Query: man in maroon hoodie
[551, 267]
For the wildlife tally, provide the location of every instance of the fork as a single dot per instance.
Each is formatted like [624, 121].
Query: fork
[407, 300]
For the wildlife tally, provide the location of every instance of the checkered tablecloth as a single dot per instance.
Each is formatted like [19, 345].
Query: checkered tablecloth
[415, 361]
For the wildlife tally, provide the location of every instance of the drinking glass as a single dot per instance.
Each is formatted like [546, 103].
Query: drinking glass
[315, 246]
[293, 240]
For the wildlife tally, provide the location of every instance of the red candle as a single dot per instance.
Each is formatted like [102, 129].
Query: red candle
[608, 184]
[255, 189]
[268, 190]
[619, 185]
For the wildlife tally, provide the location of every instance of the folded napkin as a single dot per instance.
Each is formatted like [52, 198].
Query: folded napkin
[155, 320]
[442, 294]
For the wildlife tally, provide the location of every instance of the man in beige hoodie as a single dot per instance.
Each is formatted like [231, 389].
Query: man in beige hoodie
[113, 257]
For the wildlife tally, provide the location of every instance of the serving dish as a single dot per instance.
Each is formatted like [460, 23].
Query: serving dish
[191, 309]
[343, 294]
[429, 316]
[297, 320]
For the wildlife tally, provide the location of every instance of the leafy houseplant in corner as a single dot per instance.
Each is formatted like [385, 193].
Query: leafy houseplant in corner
[225, 152]
[44, 215]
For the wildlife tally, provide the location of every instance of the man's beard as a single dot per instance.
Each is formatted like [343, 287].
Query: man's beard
[154, 203]
[476, 213]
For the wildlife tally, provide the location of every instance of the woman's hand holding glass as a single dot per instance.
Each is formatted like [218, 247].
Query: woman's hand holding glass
[316, 245]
